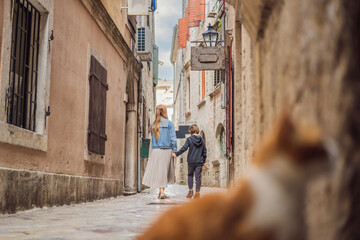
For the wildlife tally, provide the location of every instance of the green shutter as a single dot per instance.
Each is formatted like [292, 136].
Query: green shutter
[145, 144]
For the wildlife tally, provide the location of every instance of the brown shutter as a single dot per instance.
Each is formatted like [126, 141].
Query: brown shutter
[97, 107]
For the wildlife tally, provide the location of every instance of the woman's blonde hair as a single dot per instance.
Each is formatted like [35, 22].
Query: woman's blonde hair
[160, 112]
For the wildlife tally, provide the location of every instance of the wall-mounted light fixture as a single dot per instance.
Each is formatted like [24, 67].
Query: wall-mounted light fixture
[210, 36]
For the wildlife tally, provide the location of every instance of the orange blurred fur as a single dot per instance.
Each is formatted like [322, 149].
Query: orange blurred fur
[267, 204]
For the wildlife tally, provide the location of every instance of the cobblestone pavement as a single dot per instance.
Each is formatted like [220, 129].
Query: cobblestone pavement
[116, 218]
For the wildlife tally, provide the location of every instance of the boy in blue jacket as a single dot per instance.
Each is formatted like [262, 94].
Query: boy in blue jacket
[196, 159]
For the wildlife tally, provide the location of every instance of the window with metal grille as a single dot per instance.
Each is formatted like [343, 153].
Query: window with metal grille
[217, 77]
[218, 6]
[24, 61]
[97, 107]
[141, 39]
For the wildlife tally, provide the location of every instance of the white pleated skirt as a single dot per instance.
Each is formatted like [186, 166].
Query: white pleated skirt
[160, 169]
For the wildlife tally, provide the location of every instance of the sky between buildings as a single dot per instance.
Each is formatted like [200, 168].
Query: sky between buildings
[166, 16]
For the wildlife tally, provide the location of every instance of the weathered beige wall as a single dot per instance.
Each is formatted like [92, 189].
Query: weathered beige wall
[75, 31]
[236, 30]
[244, 96]
[2, 12]
[304, 54]
[119, 16]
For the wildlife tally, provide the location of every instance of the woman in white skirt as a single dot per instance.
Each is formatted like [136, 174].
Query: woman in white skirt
[160, 168]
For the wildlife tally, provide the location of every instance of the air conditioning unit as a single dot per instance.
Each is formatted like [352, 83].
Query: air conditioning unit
[144, 44]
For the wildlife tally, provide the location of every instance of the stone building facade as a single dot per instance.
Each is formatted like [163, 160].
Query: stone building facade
[69, 97]
[199, 96]
[147, 55]
[164, 96]
[149, 74]
[302, 55]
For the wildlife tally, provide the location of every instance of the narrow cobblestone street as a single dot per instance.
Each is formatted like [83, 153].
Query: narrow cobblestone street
[117, 218]
[101, 97]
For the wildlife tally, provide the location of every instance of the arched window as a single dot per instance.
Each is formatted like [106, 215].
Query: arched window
[222, 142]
[220, 136]
[202, 134]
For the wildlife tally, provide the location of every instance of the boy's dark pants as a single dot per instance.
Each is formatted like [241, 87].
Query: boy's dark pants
[197, 169]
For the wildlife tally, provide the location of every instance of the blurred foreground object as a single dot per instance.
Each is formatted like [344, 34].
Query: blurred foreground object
[269, 202]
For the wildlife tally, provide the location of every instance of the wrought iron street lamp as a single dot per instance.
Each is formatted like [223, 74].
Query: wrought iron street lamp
[210, 36]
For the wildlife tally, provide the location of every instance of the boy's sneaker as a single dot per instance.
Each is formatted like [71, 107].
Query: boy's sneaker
[190, 194]
[197, 195]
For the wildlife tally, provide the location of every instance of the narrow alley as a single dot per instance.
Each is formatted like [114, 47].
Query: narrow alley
[109, 107]
[122, 218]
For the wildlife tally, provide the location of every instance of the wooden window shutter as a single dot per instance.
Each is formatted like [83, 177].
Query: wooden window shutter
[97, 107]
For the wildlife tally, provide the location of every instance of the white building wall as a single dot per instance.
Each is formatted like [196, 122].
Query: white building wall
[208, 114]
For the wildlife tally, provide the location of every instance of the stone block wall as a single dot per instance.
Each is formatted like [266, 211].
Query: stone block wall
[2, 3]
[24, 189]
[216, 169]
[208, 114]
[210, 117]
[303, 55]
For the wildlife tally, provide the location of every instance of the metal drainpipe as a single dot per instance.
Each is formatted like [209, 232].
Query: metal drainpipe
[140, 95]
[182, 90]
[139, 164]
[153, 35]
[182, 75]
[174, 80]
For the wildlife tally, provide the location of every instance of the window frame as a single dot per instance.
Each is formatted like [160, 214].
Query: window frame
[97, 107]
[217, 78]
[141, 39]
[9, 133]
[88, 155]
[21, 99]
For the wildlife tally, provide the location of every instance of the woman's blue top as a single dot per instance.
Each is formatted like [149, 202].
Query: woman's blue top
[167, 137]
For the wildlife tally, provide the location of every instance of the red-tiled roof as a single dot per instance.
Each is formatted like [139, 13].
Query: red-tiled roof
[196, 12]
[183, 28]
